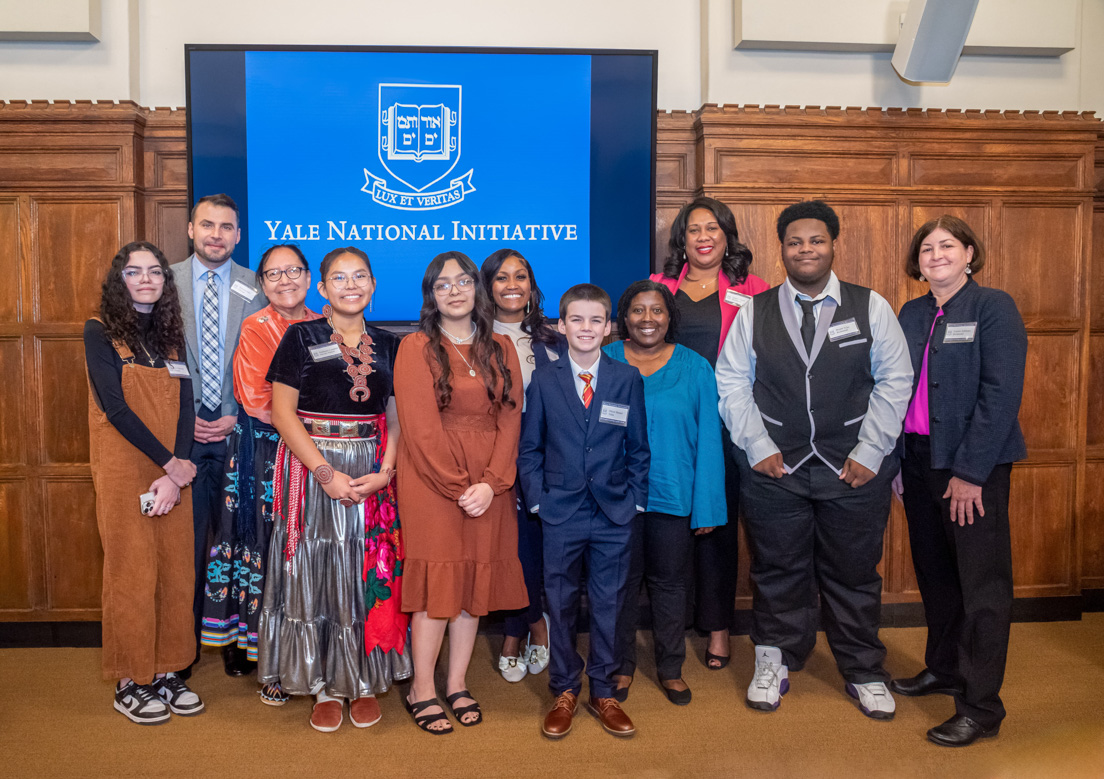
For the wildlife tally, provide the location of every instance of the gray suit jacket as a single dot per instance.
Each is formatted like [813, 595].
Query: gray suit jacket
[238, 309]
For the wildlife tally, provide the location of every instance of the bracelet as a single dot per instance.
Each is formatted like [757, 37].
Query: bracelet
[390, 473]
[324, 473]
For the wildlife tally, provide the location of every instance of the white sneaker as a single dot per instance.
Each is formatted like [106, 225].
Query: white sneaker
[874, 699]
[512, 668]
[536, 656]
[772, 679]
[139, 703]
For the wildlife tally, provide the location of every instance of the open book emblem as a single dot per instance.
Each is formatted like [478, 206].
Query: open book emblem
[419, 145]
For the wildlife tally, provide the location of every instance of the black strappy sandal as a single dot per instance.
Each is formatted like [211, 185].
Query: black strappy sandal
[460, 711]
[423, 721]
[720, 660]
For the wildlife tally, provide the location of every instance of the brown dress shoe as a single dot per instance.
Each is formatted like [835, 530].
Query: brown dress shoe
[558, 722]
[613, 719]
[364, 712]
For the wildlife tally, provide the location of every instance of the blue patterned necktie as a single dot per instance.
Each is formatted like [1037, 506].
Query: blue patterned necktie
[209, 361]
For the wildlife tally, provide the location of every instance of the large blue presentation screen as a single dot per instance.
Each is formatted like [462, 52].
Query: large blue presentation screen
[410, 153]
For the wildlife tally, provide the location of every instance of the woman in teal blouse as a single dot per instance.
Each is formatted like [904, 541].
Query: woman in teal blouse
[685, 480]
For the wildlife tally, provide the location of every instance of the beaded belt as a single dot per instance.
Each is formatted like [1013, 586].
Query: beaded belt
[331, 426]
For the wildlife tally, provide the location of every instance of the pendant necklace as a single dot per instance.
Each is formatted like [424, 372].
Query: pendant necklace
[362, 353]
[471, 370]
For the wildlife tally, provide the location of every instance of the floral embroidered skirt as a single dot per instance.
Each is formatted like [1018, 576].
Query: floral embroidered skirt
[331, 616]
[234, 590]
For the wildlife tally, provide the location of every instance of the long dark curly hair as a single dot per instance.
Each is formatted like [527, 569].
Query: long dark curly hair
[737, 257]
[487, 353]
[120, 319]
[534, 324]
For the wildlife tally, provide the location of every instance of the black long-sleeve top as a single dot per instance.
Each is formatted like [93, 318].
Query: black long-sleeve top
[105, 372]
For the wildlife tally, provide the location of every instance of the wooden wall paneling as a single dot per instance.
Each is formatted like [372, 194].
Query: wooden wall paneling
[1043, 250]
[16, 593]
[1049, 411]
[1091, 526]
[1092, 529]
[166, 225]
[1040, 512]
[74, 557]
[13, 390]
[63, 400]
[11, 265]
[75, 240]
[756, 219]
[676, 175]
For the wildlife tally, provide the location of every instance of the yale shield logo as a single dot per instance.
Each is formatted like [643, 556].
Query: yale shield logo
[418, 142]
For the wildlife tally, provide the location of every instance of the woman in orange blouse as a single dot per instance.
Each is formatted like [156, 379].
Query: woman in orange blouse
[459, 391]
[236, 566]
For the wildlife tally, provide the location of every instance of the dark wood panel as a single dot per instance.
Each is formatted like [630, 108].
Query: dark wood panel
[1095, 429]
[15, 567]
[63, 382]
[1048, 413]
[11, 262]
[672, 171]
[1043, 242]
[167, 226]
[13, 389]
[74, 241]
[74, 556]
[1005, 172]
[1041, 516]
[39, 166]
[1096, 299]
[1092, 523]
[170, 169]
[750, 167]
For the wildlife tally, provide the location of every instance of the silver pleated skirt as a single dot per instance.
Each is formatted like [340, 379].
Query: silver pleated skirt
[311, 630]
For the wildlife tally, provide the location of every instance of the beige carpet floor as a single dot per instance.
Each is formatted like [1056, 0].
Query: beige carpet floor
[56, 720]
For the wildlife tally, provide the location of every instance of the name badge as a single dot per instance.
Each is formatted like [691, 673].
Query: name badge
[843, 329]
[177, 369]
[962, 333]
[614, 414]
[323, 352]
[738, 299]
[243, 290]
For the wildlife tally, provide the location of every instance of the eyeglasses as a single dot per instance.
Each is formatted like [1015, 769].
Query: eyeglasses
[445, 287]
[292, 273]
[133, 274]
[359, 279]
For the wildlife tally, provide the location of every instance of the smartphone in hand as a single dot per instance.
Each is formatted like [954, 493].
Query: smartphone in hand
[146, 502]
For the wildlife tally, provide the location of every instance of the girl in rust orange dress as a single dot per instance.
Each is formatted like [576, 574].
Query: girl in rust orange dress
[459, 398]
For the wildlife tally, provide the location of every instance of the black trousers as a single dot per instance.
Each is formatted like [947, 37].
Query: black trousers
[530, 553]
[660, 556]
[965, 577]
[809, 531]
[210, 463]
[716, 555]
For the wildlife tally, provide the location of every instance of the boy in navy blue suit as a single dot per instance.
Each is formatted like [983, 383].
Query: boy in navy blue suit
[583, 464]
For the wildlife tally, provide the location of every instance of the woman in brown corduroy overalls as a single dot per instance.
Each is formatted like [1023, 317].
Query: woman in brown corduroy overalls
[140, 405]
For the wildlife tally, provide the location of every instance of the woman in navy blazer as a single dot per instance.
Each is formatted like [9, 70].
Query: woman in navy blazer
[961, 436]
[508, 278]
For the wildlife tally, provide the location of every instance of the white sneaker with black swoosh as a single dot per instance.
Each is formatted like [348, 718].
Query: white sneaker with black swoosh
[139, 703]
[176, 695]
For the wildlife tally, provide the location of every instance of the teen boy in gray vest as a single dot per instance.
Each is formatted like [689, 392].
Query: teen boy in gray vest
[814, 381]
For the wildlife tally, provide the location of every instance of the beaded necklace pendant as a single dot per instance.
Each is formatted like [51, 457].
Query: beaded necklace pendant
[358, 359]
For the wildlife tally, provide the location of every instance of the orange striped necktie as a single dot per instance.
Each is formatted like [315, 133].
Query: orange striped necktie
[588, 391]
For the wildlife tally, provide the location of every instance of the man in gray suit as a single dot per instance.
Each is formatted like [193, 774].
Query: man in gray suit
[216, 294]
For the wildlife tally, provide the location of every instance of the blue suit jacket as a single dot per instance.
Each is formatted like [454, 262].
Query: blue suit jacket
[566, 452]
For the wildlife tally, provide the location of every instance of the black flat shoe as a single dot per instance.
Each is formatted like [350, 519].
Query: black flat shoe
[959, 731]
[924, 683]
[621, 694]
[677, 697]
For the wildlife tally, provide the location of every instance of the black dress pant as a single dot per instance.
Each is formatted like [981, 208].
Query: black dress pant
[810, 531]
[965, 577]
[660, 556]
[210, 463]
[717, 555]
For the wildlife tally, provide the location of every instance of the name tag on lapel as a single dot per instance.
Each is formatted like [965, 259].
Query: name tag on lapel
[844, 329]
[734, 298]
[177, 369]
[961, 333]
[323, 352]
[243, 290]
[614, 414]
